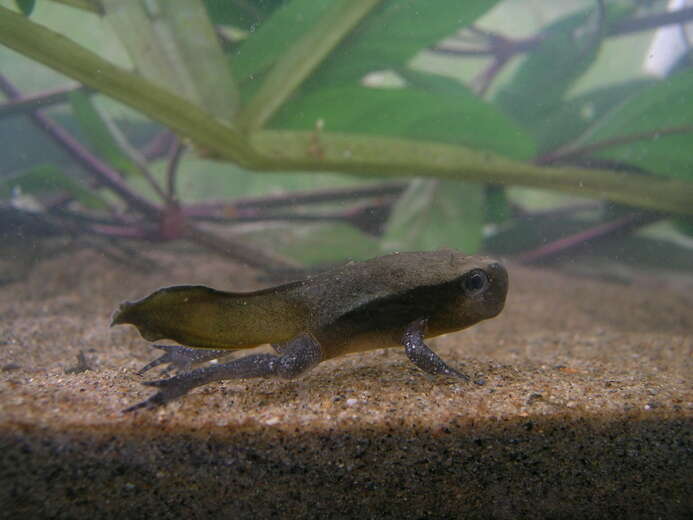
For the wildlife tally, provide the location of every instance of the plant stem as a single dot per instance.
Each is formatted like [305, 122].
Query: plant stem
[27, 104]
[501, 45]
[565, 153]
[654, 21]
[390, 157]
[295, 198]
[87, 5]
[172, 168]
[608, 230]
[158, 146]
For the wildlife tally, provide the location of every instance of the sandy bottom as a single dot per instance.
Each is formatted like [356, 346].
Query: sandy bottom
[586, 411]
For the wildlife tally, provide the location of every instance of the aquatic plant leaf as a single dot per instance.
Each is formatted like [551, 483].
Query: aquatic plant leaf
[394, 33]
[326, 244]
[99, 132]
[353, 154]
[497, 205]
[349, 39]
[685, 225]
[25, 6]
[200, 53]
[667, 105]
[242, 14]
[576, 115]
[568, 49]
[462, 118]
[266, 43]
[173, 44]
[48, 179]
[432, 214]
[432, 82]
[302, 57]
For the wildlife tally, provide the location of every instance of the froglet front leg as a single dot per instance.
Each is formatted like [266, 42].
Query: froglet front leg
[422, 356]
[295, 358]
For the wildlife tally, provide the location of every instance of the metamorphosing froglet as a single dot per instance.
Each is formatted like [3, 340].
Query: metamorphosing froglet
[392, 300]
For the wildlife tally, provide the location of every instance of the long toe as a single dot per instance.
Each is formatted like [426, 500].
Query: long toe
[169, 389]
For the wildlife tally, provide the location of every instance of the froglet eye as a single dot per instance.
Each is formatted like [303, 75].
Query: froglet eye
[475, 282]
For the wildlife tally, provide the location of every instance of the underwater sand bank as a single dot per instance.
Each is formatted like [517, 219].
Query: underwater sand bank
[587, 411]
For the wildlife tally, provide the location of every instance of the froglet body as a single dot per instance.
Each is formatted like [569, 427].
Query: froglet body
[388, 301]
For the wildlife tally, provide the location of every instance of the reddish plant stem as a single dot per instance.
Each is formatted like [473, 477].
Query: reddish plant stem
[171, 170]
[560, 211]
[159, 146]
[296, 198]
[483, 81]
[571, 152]
[30, 103]
[499, 45]
[654, 21]
[608, 230]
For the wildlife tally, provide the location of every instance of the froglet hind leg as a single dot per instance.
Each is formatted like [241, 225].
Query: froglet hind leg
[422, 356]
[181, 358]
[297, 357]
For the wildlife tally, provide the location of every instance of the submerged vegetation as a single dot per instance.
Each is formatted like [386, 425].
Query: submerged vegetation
[370, 88]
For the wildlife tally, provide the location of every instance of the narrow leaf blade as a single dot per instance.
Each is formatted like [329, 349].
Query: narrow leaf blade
[98, 133]
[48, 179]
[26, 7]
[433, 214]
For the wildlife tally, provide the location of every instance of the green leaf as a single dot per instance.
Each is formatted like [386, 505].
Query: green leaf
[432, 214]
[388, 38]
[265, 44]
[302, 57]
[433, 83]
[100, 133]
[667, 105]
[462, 118]
[684, 225]
[349, 154]
[199, 55]
[26, 6]
[244, 14]
[498, 208]
[173, 44]
[577, 115]
[568, 49]
[394, 33]
[48, 179]
[326, 243]
[322, 49]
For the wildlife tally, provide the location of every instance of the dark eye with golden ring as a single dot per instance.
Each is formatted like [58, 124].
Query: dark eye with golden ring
[475, 281]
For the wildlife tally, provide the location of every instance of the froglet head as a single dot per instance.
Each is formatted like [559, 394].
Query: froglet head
[483, 289]
[477, 292]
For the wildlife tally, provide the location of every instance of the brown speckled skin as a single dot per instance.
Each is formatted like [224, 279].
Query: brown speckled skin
[359, 306]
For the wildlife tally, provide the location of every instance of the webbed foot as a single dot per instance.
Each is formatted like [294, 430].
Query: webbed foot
[181, 358]
[169, 389]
